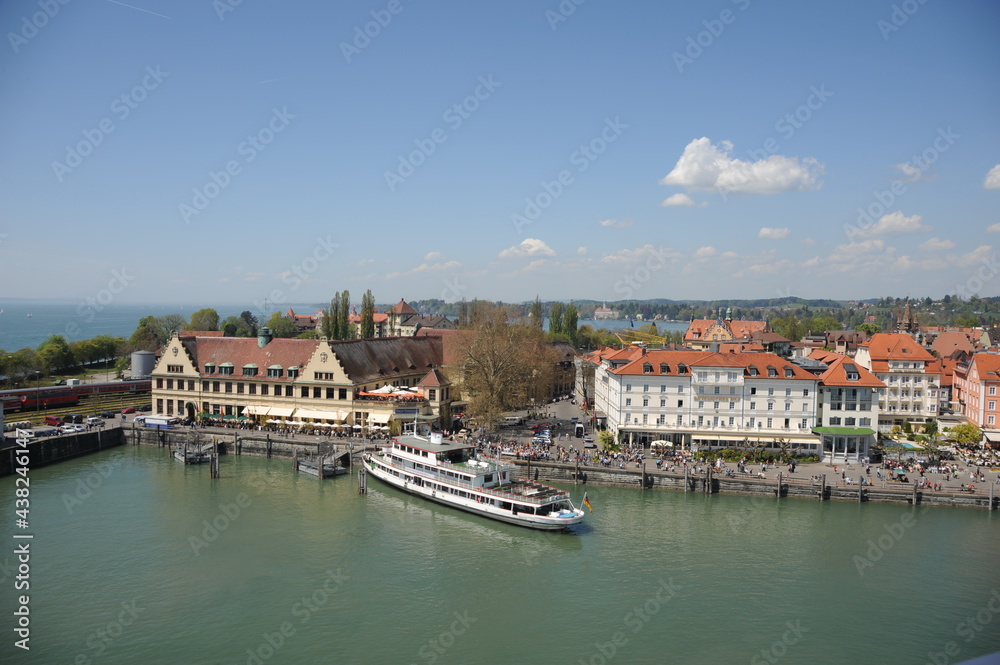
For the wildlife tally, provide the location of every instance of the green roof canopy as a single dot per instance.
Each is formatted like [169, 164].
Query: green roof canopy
[848, 431]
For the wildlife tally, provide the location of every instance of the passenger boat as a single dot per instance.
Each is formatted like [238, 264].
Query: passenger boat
[452, 474]
[191, 456]
[330, 469]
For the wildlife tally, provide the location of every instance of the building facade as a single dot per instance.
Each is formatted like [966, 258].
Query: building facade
[361, 383]
[705, 400]
[848, 408]
[976, 387]
[910, 374]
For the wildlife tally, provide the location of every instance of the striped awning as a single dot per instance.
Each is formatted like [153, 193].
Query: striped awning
[282, 411]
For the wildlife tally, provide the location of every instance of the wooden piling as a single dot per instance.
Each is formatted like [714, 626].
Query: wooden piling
[990, 506]
[914, 500]
[295, 459]
[576, 476]
[362, 480]
[685, 479]
[643, 480]
[822, 487]
[860, 485]
[778, 493]
[708, 480]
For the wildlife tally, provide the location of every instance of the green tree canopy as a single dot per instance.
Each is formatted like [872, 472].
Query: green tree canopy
[367, 315]
[556, 318]
[282, 326]
[966, 433]
[204, 319]
[54, 353]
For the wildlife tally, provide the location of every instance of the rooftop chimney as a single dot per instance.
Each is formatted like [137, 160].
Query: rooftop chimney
[264, 336]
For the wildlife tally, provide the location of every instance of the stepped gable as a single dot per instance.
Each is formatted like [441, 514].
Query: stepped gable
[383, 359]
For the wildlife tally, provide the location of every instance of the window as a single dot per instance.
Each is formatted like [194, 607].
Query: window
[701, 420]
[159, 384]
[753, 390]
[663, 388]
[226, 369]
[274, 372]
[680, 389]
[835, 420]
[993, 390]
[732, 390]
[788, 392]
[680, 403]
[342, 393]
[628, 387]
[249, 370]
[644, 416]
[865, 422]
[990, 420]
[770, 391]
[715, 405]
[850, 422]
[645, 388]
[209, 368]
[323, 376]
[289, 390]
[664, 368]
[628, 401]
[317, 392]
[804, 424]
[717, 390]
[264, 389]
[732, 421]
[769, 422]
[805, 392]
[732, 405]
[159, 406]
[772, 372]
[239, 388]
[204, 386]
[170, 384]
[191, 385]
[229, 386]
[645, 401]
[647, 368]
[770, 406]
[753, 422]
[215, 386]
[663, 403]
[304, 391]
[175, 369]
[731, 377]
[788, 406]
[753, 406]
[805, 407]
[330, 392]
[991, 405]
[701, 404]
[293, 372]
[680, 420]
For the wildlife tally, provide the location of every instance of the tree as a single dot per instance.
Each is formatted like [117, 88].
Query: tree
[607, 441]
[869, 328]
[204, 319]
[503, 364]
[54, 353]
[331, 318]
[251, 322]
[367, 315]
[967, 321]
[282, 326]
[967, 434]
[556, 318]
[236, 326]
[570, 320]
[344, 329]
[537, 314]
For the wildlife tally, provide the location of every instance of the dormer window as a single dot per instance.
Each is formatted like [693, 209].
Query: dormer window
[752, 370]
[681, 368]
[789, 373]
[250, 370]
[226, 369]
[664, 368]
[647, 368]
[293, 372]
[274, 372]
[771, 372]
[209, 368]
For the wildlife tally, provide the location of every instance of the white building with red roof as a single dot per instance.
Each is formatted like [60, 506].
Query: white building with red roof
[848, 407]
[703, 400]
[703, 333]
[911, 376]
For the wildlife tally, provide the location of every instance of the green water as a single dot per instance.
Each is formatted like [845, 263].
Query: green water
[656, 577]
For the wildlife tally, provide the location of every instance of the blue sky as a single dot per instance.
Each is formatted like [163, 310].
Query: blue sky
[204, 152]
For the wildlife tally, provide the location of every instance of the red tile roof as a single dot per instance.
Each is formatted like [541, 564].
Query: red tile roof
[883, 347]
[739, 329]
[836, 372]
[947, 343]
[699, 359]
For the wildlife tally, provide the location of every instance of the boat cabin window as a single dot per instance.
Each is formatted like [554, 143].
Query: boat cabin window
[454, 456]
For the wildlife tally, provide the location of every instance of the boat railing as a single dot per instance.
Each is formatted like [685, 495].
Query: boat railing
[500, 494]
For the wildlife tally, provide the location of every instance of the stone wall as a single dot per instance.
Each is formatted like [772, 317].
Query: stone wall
[46, 450]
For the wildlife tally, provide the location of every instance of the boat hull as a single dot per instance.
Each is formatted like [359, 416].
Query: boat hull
[413, 484]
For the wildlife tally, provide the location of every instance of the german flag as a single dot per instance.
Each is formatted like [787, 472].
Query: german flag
[586, 502]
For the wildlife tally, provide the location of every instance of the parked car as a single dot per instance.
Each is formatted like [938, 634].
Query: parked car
[73, 418]
[48, 431]
[107, 414]
[55, 421]
[67, 429]
[128, 409]
[144, 408]
[95, 420]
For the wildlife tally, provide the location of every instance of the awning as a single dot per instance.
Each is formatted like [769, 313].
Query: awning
[379, 418]
[256, 410]
[282, 411]
[844, 431]
[321, 415]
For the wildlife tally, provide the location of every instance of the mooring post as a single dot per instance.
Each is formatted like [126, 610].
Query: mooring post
[576, 476]
[685, 478]
[914, 494]
[643, 475]
[779, 485]
[990, 506]
[708, 480]
[295, 459]
[860, 485]
[822, 487]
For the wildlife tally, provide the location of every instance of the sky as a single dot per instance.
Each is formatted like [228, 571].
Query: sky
[234, 151]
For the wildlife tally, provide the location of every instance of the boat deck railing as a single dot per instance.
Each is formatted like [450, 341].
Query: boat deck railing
[547, 494]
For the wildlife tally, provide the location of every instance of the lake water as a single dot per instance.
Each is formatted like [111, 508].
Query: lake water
[138, 559]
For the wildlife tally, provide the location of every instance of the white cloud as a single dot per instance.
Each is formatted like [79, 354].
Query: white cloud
[433, 256]
[909, 172]
[704, 166]
[662, 254]
[992, 180]
[530, 247]
[360, 263]
[705, 252]
[810, 242]
[895, 224]
[772, 233]
[615, 224]
[864, 247]
[253, 276]
[935, 244]
[682, 200]
[981, 254]
[993, 228]
[436, 267]
[581, 251]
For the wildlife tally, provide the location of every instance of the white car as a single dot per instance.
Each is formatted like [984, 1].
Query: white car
[71, 429]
